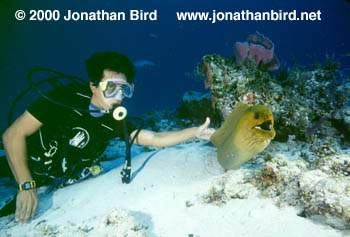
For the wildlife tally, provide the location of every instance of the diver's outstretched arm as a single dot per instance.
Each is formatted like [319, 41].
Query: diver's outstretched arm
[14, 140]
[164, 139]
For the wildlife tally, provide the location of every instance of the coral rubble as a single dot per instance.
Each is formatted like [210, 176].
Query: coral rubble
[120, 222]
[319, 191]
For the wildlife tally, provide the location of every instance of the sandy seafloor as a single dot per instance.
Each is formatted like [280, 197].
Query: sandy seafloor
[165, 198]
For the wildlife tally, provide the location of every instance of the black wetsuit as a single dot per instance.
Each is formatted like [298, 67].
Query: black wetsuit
[70, 140]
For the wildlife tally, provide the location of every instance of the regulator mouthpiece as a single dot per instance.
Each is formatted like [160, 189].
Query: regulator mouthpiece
[119, 113]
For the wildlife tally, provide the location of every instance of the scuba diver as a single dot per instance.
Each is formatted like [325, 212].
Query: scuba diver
[49, 142]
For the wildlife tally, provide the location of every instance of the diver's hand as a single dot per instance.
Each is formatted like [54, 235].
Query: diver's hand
[26, 204]
[203, 132]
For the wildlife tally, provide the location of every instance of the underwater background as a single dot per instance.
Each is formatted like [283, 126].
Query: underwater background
[165, 51]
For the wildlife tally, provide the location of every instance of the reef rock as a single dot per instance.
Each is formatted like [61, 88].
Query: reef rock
[327, 198]
[274, 177]
[323, 192]
[196, 106]
[338, 165]
[320, 191]
[233, 184]
[299, 99]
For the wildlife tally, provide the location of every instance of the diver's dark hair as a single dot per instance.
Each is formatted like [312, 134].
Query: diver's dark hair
[113, 61]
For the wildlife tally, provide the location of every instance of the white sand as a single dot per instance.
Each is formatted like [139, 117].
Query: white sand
[157, 199]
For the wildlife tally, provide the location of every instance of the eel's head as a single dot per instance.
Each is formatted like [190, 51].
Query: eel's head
[258, 121]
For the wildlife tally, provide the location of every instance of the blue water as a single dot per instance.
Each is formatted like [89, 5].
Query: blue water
[173, 47]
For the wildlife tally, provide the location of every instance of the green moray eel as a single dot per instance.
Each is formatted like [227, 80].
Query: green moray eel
[247, 131]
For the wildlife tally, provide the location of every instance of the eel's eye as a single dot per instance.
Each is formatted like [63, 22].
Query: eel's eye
[256, 115]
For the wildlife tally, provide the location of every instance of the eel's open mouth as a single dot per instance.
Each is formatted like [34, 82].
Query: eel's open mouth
[266, 126]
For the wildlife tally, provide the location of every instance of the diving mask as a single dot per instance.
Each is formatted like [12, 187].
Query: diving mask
[115, 86]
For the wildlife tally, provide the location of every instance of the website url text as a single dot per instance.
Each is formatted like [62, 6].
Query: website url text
[247, 15]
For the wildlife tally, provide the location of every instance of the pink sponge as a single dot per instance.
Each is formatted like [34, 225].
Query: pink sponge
[260, 49]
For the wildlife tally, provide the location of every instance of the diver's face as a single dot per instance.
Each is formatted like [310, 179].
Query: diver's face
[98, 99]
